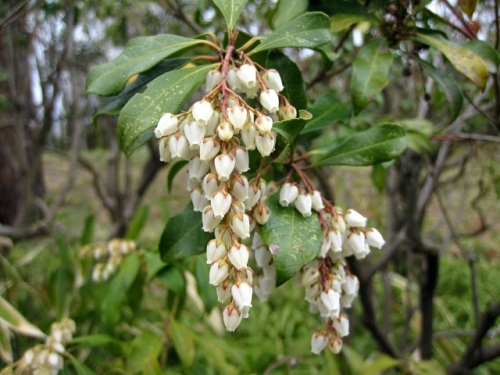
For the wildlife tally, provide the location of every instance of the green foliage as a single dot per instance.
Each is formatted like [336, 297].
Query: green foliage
[231, 10]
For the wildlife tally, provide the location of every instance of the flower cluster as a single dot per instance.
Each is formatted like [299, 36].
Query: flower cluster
[330, 286]
[215, 135]
[47, 359]
[108, 256]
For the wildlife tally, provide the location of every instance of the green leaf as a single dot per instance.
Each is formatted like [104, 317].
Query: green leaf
[172, 172]
[166, 93]
[485, 51]
[112, 105]
[5, 346]
[287, 10]
[182, 338]
[463, 59]
[326, 111]
[309, 30]
[231, 10]
[343, 21]
[370, 73]
[290, 76]
[88, 230]
[295, 240]
[207, 293]
[380, 364]
[373, 146]
[137, 222]
[448, 85]
[183, 236]
[289, 130]
[141, 350]
[378, 176]
[80, 368]
[14, 320]
[140, 54]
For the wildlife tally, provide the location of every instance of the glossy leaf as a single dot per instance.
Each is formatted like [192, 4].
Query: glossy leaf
[342, 21]
[448, 85]
[183, 236]
[326, 111]
[289, 131]
[167, 93]
[485, 51]
[140, 54]
[370, 73]
[287, 10]
[373, 146]
[295, 240]
[463, 59]
[231, 10]
[14, 320]
[112, 105]
[309, 30]
[291, 77]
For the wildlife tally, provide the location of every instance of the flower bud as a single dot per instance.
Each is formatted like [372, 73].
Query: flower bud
[219, 271]
[242, 294]
[224, 166]
[202, 111]
[264, 124]
[317, 201]
[249, 135]
[319, 341]
[166, 126]
[213, 78]
[216, 250]
[374, 238]
[221, 203]
[270, 100]
[287, 112]
[288, 194]
[238, 255]
[178, 145]
[225, 131]
[209, 220]
[272, 80]
[209, 149]
[240, 224]
[165, 155]
[247, 75]
[231, 316]
[354, 219]
[335, 344]
[265, 143]
[303, 204]
[237, 116]
[194, 133]
[261, 213]
[198, 199]
[197, 169]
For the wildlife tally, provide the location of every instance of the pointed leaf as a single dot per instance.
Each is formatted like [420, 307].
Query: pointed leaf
[485, 51]
[14, 320]
[137, 223]
[183, 236]
[80, 368]
[309, 30]
[370, 73]
[140, 54]
[380, 364]
[231, 10]
[343, 20]
[373, 146]
[289, 131]
[294, 239]
[5, 346]
[326, 111]
[166, 93]
[287, 10]
[463, 59]
[449, 87]
[112, 105]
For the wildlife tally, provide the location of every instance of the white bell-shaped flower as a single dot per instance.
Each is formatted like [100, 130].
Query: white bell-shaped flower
[213, 78]
[374, 238]
[225, 131]
[221, 203]
[253, 196]
[310, 276]
[209, 220]
[265, 143]
[262, 257]
[325, 247]
[350, 285]
[202, 111]
[224, 166]
[339, 223]
[242, 294]
[356, 240]
[247, 75]
[272, 79]
[166, 126]
[219, 271]
[264, 124]
[242, 159]
[194, 133]
[336, 240]
[354, 219]
[165, 155]
[210, 184]
[239, 187]
[287, 112]
[240, 225]
[199, 200]
[209, 149]
[232, 79]
[197, 169]
[331, 300]
[335, 344]
[237, 116]
[317, 201]
[212, 123]
[303, 204]
[288, 194]
[224, 291]
[261, 213]
[341, 325]
[238, 255]
[178, 145]
[319, 341]
[216, 250]
[270, 100]
[231, 316]
[249, 135]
